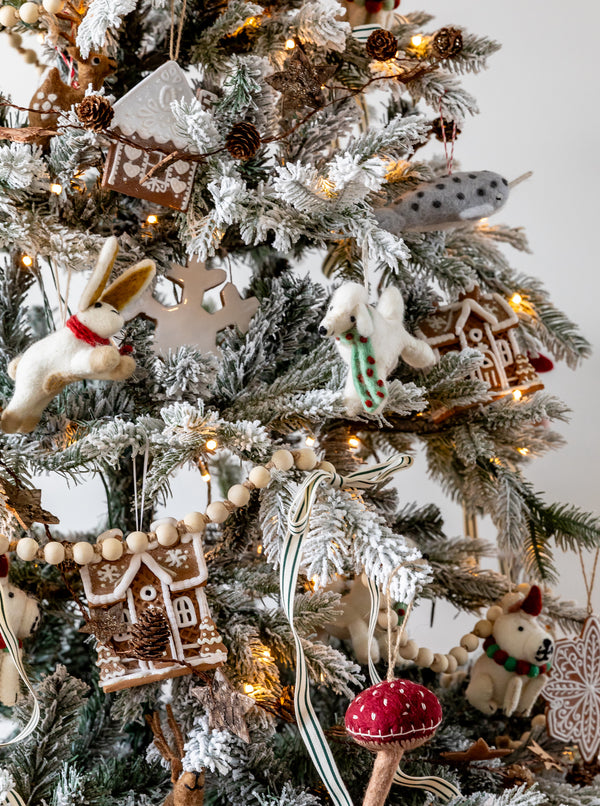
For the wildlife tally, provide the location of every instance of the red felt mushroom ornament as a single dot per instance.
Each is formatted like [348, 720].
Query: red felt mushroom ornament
[388, 719]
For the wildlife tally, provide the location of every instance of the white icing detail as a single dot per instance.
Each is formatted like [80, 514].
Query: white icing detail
[148, 593]
[46, 106]
[109, 573]
[176, 558]
[185, 613]
[52, 97]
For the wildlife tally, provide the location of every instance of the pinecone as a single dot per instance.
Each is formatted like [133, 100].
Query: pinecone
[447, 42]
[95, 112]
[243, 140]
[440, 127]
[150, 635]
[583, 774]
[381, 45]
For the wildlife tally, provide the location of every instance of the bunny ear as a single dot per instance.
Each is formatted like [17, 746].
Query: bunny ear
[130, 284]
[95, 285]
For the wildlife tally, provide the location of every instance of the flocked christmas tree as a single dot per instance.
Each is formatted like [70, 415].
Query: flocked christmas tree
[211, 657]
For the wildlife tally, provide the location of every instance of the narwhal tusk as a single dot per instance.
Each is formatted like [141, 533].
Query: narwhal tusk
[520, 179]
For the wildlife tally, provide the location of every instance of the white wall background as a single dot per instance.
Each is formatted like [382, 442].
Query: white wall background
[537, 113]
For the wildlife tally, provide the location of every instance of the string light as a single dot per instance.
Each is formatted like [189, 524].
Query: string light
[211, 444]
[483, 222]
[205, 476]
[152, 219]
[259, 549]
[310, 441]
[56, 188]
[523, 451]
[516, 299]
[248, 688]
[27, 260]
[517, 394]
[290, 44]
[354, 442]
[416, 40]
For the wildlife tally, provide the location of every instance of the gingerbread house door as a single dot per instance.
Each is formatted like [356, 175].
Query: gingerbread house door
[147, 590]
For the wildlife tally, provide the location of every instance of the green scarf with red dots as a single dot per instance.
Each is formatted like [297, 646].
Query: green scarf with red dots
[363, 366]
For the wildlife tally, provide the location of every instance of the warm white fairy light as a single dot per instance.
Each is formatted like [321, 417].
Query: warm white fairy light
[516, 299]
[290, 44]
[152, 219]
[211, 444]
[523, 451]
[354, 442]
[310, 441]
[56, 188]
[517, 394]
[248, 688]
[416, 40]
[27, 260]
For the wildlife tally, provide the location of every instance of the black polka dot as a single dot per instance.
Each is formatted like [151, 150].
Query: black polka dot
[460, 196]
[472, 176]
[504, 182]
[436, 203]
[414, 206]
[493, 184]
[441, 186]
[481, 191]
[421, 193]
[456, 179]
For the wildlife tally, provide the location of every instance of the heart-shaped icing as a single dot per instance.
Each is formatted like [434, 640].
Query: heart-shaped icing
[132, 153]
[132, 170]
[181, 167]
[177, 186]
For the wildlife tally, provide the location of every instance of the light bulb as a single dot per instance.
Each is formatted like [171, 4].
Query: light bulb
[259, 549]
[523, 451]
[248, 688]
[211, 444]
[56, 188]
[152, 219]
[290, 44]
[205, 476]
[416, 40]
[517, 394]
[310, 441]
[516, 299]
[27, 260]
[354, 442]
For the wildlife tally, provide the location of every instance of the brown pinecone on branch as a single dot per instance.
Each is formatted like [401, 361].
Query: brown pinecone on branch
[150, 635]
[95, 112]
[447, 42]
[243, 140]
[381, 45]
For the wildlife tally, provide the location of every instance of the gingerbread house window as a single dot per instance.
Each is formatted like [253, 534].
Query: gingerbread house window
[148, 593]
[505, 352]
[185, 612]
[125, 635]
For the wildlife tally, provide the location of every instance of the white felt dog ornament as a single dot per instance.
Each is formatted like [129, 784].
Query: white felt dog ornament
[517, 659]
[22, 615]
[371, 341]
[82, 349]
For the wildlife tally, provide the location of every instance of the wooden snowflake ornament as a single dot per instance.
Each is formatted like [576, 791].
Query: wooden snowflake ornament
[573, 692]
[188, 322]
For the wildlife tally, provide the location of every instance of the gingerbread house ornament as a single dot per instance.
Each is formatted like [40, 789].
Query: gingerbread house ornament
[144, 117]
[484, 322]
[169, 578]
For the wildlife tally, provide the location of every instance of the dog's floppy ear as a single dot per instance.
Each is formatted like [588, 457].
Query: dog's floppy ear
[364, 320]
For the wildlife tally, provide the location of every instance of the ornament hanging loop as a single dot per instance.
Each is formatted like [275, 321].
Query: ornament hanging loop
[365, 263]
[393, 650]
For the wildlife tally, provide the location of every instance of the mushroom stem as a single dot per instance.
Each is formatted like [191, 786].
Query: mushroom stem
[384, 769]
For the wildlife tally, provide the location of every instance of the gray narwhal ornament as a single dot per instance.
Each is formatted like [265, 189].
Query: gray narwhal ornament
[446, 202]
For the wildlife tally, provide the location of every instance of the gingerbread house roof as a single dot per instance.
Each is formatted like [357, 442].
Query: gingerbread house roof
[144, 113]
[444, 325]
[180, 567]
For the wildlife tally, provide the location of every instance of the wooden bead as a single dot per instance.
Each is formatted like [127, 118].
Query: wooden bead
[217, 512]
[327, 467]
[439, 664]
[14, 39]
[137, 542]
[4, 544]
[483, 628]
[195, 521]
[470, 642]
[539, 721]
[452, 664]
[238, 495]
[112, 549]
[410, 651]
[27, 546]
[283, 460]
[461, 655]
[8, 18]
[494, 613]
[306, 459]
[53, 6]
[424, 657]
[30, 57]
[83, 553]
[259, 476]
[54, 553]
[167, 534]
[29, 13]
[382, 620]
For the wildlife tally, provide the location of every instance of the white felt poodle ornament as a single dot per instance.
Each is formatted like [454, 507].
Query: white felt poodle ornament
[371, 341]
[517, 659]
[82, 349]
[22, 614]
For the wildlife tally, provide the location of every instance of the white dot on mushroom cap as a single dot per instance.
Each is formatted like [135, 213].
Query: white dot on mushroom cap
[373, 716]
[392, 686]
[362, 708]
[385, 701]
[423, 706]
[401, 691]
[421, 693]
[355, 716]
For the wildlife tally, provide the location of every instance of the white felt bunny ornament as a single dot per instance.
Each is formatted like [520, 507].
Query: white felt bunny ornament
[82, 349]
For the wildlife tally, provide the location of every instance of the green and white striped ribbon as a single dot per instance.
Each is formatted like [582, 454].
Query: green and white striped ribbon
[444, 790]
[291, 558]
[11, 641]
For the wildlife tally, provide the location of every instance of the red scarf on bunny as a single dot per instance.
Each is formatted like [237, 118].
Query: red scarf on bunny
[83, 333]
